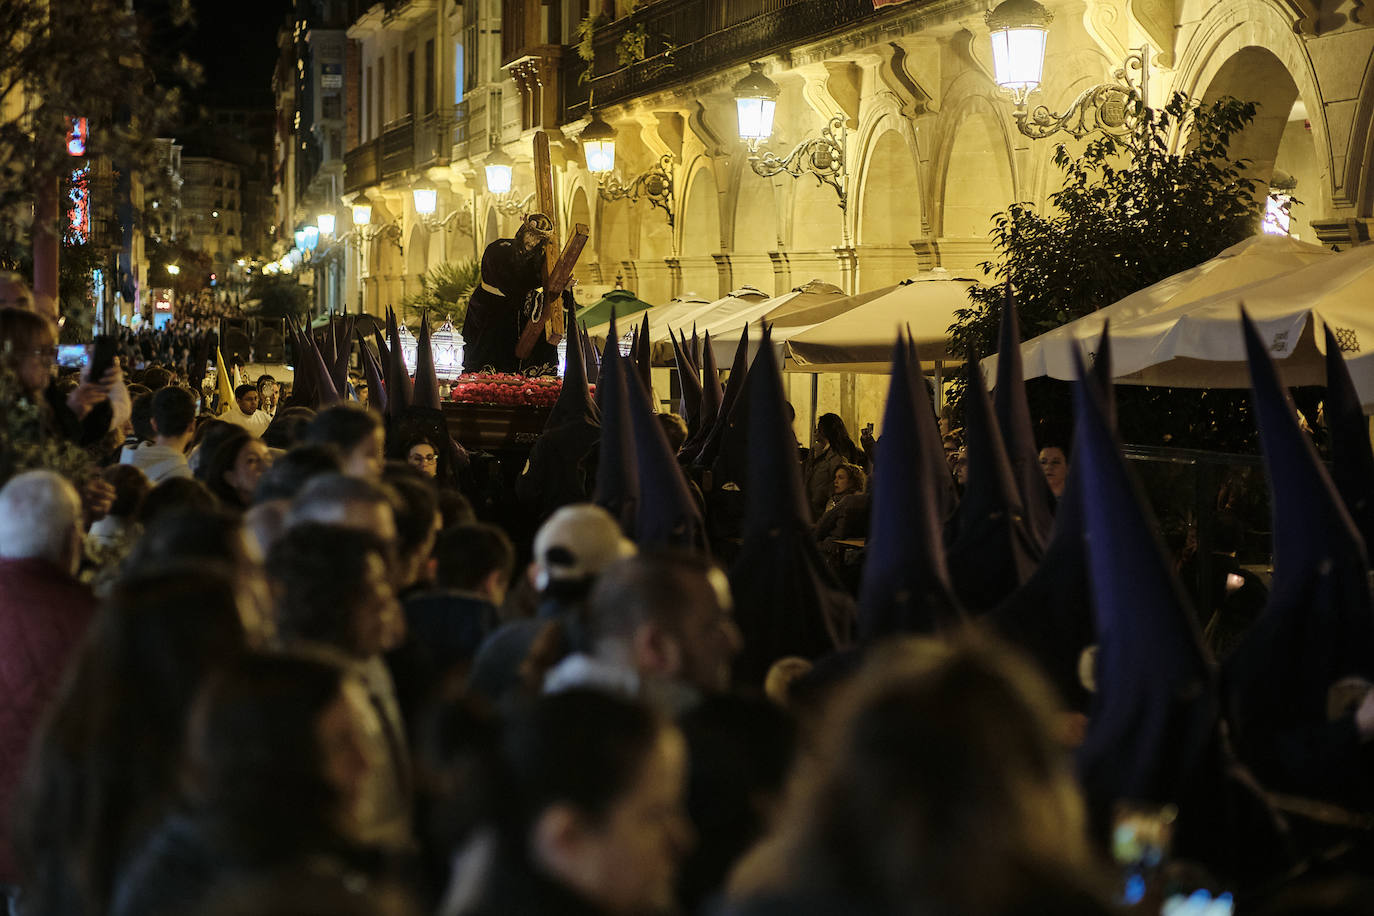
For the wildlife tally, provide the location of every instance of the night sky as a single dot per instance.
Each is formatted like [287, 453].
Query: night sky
[235, 41]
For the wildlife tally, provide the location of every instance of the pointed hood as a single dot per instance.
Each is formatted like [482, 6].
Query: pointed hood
[933, 456]
[1318, 625]
[994, 552]
[372, 371]
[304, 388]
[641, 354]
[574, 402]
[732, 451]
[906, 586]
[327, 393]
[667, 515]
[341, 339]
[1014, 421]
[398, 387]
[1154, 716]
[694, 351]
[690, 403]
[591, 361]
[617, 471]
[609, 350]
[711, 392]
[426, 392]
[1051, 616]
[786, 600]
[1352, 459]
[711, 440]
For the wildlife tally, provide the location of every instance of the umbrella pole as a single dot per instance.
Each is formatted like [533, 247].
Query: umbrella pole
[939, 390]
[815, 401]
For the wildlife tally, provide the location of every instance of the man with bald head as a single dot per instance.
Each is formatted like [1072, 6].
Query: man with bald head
[44, 611]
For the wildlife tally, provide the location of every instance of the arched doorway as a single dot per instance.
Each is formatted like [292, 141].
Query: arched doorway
[889, 213]
[1279, 141]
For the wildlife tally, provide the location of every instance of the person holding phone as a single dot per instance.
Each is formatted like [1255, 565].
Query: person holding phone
[28, 348]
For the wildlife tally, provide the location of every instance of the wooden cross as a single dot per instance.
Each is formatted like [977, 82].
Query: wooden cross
[558, 266]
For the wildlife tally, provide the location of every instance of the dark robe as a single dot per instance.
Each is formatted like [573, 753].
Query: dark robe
[500, 307]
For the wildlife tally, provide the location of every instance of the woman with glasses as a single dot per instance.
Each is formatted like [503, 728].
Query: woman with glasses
[422, 455]
[28, 349]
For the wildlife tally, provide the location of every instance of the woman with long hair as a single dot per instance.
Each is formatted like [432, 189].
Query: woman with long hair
[940, 786]
[832, 448]
[233, 469]
[587, 810]
[273, 769]
[103, 769]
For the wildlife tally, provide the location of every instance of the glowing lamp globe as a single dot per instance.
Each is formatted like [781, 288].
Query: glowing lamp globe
[447, 345]
[299, 236]
[312, 237]
[598, 145]
[362, 211]
[756, 97]
[325, 221]
[1019, 29]
[498, 169]
[426, 198]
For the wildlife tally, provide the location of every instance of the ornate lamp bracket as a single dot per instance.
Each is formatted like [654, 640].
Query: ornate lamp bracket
[1113, 108]
[822, 157]
[654, 185]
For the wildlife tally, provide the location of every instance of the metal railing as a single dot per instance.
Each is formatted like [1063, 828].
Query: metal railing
[683, 39]
[398, 146]
[362, 166]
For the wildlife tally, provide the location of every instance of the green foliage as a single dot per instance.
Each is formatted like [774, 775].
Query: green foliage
[25, 444]
[1129, 214]
[75, 290]
[630, 49]
[278, 297]
[445, 291]
[89, 59]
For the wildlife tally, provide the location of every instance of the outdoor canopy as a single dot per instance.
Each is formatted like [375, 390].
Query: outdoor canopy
[1185, 330]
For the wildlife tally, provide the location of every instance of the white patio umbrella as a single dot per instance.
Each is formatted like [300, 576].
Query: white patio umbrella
[1185, 329]
[858, 335]
[727, 329]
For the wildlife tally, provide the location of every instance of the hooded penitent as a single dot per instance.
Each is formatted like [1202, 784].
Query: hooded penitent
[734, 385]
[906, 587]
[1318, 626]
[372, 371]
[690, 402]
[426, 393]
[642, 357]
[786, 601]
[1014, 422]
[562, 465]
[1051, 616]
[667, 515]
[617, 472]
[994, 551]
[398, 387]
[1153, 733]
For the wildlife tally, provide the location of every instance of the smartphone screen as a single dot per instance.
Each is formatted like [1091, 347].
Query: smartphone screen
[71, 356]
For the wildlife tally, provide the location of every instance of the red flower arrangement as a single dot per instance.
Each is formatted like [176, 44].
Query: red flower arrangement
[506, 389]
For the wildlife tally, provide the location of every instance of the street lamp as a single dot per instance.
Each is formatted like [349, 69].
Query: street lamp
[824, 156]
[326, 223]
[498, 168]
[312, 237]
[1019, 31]
[654, 185]
[299, 236]
[173, 269]
[362, 211]
[426, 199]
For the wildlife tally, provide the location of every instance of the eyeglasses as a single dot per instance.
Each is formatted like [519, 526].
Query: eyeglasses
[423, 459]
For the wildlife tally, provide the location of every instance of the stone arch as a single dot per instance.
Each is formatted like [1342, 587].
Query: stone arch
[1247, 48]
[417, 251]
[888, 195]
[613, 236]
[978, 179]
[580, 212]
[701, 236]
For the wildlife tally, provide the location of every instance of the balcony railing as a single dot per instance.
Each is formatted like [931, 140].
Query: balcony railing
[683, 39]
[433, 138]
[362, 166]
[398, 146]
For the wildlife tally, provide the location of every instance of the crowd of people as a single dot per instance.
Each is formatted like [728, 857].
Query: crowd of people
[311, 655]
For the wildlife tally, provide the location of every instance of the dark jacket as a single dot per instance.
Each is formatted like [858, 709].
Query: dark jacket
[43, 614]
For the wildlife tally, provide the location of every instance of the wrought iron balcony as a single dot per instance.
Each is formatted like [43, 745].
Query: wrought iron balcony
[398, 146]
[672, 41]
[362, 166]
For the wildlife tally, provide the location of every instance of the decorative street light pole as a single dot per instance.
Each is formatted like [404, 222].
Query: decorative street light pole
[654, 185]
[1019, 30]
[426, 199]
